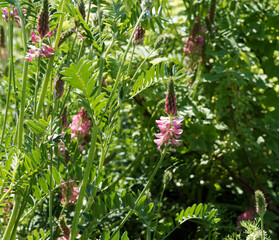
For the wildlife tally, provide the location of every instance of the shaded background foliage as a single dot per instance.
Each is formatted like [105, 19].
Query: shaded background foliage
[229, 100]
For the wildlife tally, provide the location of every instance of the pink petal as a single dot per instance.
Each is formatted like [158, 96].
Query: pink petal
[159, 142]
[49, 34]
[34, 37]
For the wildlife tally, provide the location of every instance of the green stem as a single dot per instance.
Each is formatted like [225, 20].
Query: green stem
[13, 218]
[24, 80]
[11, 67]
[84, 182]
[131, 60]
[118, 76]
[158, 212]
[50, 62]
[142, 192]
[148, 232]
[35, 98]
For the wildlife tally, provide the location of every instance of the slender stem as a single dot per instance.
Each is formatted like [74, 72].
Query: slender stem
[24, 79]
[158, 212]
[131, 60]
[13, 218]
[11, 67]
[148, 232]
[35, 98]
[50, 62]
[84, 182]
[142, 192]
[18, 197]
[118, 76]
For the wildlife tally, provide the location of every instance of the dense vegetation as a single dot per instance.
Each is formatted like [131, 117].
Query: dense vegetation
[83, 86]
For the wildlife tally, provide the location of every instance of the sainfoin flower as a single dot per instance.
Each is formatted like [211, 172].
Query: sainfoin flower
[14, 15]
[247, 215]
[139, 36]
[66, 231]
[80, 124]
[43, 50]
[69, 193]
[170, 125]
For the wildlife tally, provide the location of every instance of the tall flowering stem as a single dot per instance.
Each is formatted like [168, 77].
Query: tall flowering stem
[19, 139]
[50, 63]
[11, 76]
[84, 182]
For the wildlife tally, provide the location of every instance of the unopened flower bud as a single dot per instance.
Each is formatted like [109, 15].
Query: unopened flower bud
[167, 178]
[196, 27]
[170, 106]
[2, 36]
[43, 20]
[139, 36]
[81, 8]
[64, 118]
[58, 87]
[211, 13]
[260, 203]
[66, 231]
[146, 5]
[65, 36]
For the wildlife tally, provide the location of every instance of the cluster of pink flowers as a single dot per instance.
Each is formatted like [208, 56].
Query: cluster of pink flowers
[169, 126]
[14, 15]
[247, 215]
[80, 125]
[193, 45]
[43, 50]
[69, 193]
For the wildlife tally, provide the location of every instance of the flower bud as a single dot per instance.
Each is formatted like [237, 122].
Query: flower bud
[58, 87]
[66, 231]
[146, 5]
[211, 13]
[81, 8]
[2, 36]
[196, 27]
[167, 178]
[139, 36]
[65, 36]
[260, 203]
[43, 20]
[170, 106]
[64, 118]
